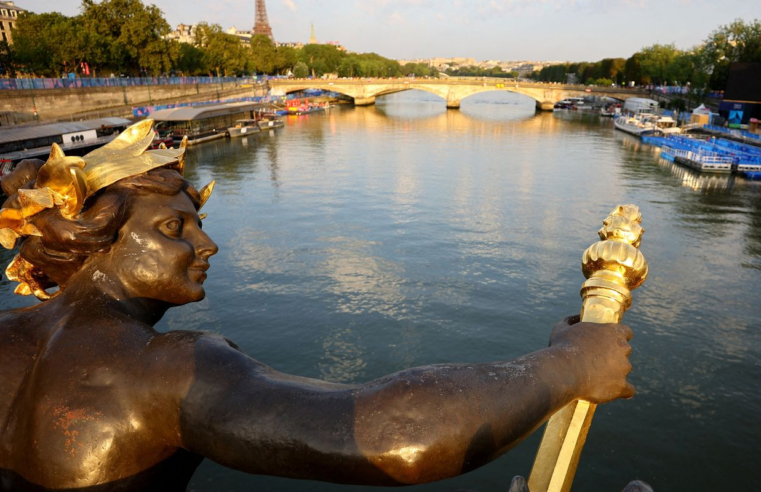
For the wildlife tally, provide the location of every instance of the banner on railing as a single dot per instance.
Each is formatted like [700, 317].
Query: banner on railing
[67, 83]
[146, 111]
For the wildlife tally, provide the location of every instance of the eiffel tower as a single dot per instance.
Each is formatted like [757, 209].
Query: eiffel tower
[262, 25]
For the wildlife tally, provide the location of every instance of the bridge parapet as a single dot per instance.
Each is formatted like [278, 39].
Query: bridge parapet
[364, 91]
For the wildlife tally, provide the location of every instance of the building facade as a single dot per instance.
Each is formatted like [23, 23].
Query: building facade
[8, 16]
[243, 36]
[184, 34]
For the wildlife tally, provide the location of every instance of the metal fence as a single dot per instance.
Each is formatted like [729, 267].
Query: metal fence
[21, 84]
[682, 90]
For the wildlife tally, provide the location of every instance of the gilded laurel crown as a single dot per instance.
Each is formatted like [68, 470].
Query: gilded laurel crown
[66, 182]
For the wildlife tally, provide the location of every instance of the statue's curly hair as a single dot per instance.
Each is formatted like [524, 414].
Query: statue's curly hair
[66, 244]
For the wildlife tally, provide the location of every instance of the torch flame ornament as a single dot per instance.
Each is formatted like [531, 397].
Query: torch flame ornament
[613, 268]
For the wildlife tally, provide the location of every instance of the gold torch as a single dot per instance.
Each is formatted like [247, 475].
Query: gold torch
[613, 268]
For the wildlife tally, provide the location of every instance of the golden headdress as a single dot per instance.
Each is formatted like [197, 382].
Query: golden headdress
[67, 182]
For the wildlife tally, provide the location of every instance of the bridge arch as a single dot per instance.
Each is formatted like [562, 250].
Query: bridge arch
[291, 90]
[454, 98]
[364, 91]
[505, 89]
[364, 95]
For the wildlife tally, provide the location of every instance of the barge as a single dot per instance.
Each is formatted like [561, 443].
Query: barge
[76, 138]
[203, 123]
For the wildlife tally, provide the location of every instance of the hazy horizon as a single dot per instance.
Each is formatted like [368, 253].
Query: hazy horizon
[573, 30]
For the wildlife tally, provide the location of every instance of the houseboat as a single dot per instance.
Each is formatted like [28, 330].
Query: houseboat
[203, 123]
[76, 138]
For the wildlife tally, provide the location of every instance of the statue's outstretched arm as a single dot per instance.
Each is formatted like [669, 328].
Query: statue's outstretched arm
[419, 425]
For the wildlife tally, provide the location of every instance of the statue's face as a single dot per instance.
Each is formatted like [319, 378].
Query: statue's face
[161, 252]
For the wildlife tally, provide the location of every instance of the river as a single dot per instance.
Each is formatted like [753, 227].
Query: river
[368, 240]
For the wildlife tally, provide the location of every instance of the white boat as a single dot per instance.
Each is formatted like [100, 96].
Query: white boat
[667, 125]
[243, 128]
[570, 103]
[611, 111]
[269, 122]
[647, 124]
[638, 105]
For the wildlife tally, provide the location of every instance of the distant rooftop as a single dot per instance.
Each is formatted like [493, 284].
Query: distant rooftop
[11, 6]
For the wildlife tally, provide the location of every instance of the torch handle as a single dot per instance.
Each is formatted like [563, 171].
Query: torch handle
[613, 267]
[566, 432]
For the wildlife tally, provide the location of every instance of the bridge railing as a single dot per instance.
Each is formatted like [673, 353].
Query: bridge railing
[462, 81]
[42, 84]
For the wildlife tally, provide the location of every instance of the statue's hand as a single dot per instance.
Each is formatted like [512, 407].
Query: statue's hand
[600, 356]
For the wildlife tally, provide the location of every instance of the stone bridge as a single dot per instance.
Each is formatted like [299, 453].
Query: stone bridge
[364, 91]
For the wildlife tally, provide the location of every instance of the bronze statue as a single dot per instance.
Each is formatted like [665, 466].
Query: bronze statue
[92, 398]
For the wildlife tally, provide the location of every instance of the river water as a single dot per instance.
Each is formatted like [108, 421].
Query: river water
[364, 241]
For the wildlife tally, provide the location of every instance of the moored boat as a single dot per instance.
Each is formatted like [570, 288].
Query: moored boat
[75, 138]
[159, 141]
[269, 122]
[304, 106]
[243, 128]
[646, 124]
[633, 125]
[306, 110]
[202, 123]
[610, 111]
[570, 103]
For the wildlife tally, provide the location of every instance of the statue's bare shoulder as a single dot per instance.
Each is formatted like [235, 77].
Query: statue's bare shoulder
[76, 384]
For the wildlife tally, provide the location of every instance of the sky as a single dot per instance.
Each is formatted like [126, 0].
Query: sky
[572, 30]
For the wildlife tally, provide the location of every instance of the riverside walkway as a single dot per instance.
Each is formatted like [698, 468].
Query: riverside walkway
[364, 91]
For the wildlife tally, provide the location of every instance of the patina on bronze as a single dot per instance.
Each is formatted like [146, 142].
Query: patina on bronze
[92, 398]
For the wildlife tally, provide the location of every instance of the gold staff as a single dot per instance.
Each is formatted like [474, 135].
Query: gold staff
[613, 268]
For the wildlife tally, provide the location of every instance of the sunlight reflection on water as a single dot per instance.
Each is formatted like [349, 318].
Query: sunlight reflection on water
[365, 241]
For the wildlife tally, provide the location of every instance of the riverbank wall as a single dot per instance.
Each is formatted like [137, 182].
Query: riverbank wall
[65, 104]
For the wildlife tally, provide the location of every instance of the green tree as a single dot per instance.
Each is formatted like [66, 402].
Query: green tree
[301, 70]
[190, 60]
[419, 70]
[657, 62]
[37, 42]
[613, 69]
[633, 70]
[682, 68]
[263, 54]
[350, 67]
[736, 42]
[286, 59]
[701, 75]
[51, 43]
[223, 53]
[7, 60]
[319, 68]
[131, 34]
[321, 58]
